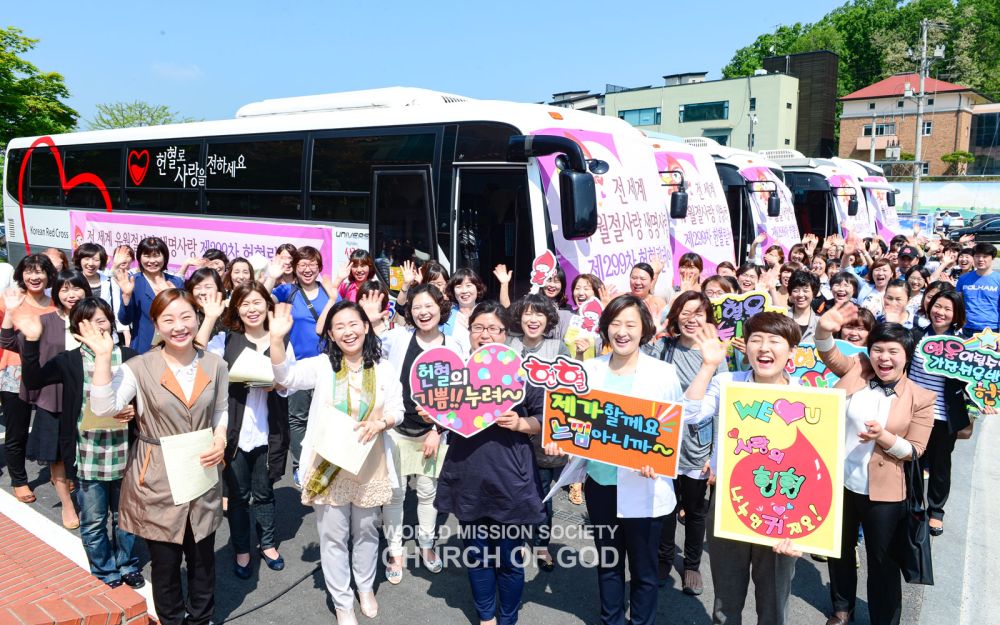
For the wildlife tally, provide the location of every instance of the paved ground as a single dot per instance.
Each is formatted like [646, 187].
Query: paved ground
[569, 595]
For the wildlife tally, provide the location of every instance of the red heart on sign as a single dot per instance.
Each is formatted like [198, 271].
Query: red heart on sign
[86, 177]
[138, 165]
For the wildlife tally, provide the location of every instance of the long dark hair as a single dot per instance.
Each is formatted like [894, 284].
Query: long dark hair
[371, 350]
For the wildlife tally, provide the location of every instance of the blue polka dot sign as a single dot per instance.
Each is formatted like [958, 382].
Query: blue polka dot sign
[467, 397]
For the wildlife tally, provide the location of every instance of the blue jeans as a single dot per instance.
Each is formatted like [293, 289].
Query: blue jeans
[110, 555]
[494, 569]
[547, 476]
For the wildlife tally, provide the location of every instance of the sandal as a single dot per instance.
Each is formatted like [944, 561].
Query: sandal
[936, 527]
[576, 494]
[22, 496]
[394, 575]
[544, 561]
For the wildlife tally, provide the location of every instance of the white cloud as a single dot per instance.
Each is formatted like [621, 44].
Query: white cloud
[181, 72]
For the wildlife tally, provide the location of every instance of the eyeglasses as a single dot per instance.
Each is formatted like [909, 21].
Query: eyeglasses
[492, 330]
[307, 266]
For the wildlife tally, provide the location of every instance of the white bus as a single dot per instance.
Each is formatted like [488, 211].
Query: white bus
[405, 173]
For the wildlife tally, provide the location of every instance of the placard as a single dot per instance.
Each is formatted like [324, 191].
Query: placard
[975, 361]
[806, 364]
[734, 309]
[625, 431]
[780, 466]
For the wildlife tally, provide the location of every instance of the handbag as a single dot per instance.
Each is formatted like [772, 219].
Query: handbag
[965, 433]
[913, 534]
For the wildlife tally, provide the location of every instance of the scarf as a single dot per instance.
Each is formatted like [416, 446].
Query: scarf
[88, 370]
[320, 480]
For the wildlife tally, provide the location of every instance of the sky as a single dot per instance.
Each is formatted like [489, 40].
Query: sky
[205, 59]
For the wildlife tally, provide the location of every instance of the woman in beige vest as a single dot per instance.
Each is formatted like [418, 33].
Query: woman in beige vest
[178, 389]
[349, 378]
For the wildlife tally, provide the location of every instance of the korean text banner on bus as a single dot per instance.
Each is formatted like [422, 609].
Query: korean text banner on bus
[707, 229]
[886, 219]
[783, 229]
[632, 224]
[863, 223]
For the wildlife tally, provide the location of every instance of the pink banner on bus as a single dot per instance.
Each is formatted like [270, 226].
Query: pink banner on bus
[188, 237]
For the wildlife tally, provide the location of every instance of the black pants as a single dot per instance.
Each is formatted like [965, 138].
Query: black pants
[690, 498]
[165, 565]
[880, 520]
[617, 539]
[937, 460]
[248, 482]
[18, 415]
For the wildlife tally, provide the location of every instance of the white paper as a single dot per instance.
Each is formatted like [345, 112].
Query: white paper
[412, 461]
[182, 458]
[338, 441]
[252, 367]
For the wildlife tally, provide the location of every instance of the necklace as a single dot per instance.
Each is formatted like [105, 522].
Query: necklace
[354, 370]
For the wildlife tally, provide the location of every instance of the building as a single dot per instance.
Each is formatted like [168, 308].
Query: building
[753, 112]
[886, 113]
[984, 140]
[815, 128]
[580, 101]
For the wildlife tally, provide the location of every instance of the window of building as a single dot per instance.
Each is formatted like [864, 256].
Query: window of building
[641, 117]
[925, 168]
[788, 142]
[871, 106]
[930, 101]
[788, 105]
[753, 104]
[985, 132]
[928, 127]
[881, 130]
[900, 104]
[704, 111]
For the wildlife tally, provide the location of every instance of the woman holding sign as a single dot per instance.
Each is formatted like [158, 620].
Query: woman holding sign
[353, 387]
[171, 494]
[889, 420]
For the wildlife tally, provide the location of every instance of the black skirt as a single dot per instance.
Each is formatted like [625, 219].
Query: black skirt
[43, 440]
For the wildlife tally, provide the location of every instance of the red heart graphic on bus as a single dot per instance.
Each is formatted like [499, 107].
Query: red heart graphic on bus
[138, 165]
[67, 185]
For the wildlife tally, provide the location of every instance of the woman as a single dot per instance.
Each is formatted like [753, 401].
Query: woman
[799, 254]
[921, 319]
[779, 294]
[204, 283]
[534, 317]
[688, 313]
[95, 457]
[917, 279]
[627, 505]
[281, 270]
[178, 389]
[68, 288]
[213, 259]
[464, 290]
[489, 483]
[307, 298]
[353, 378]
[717, 287]
[889, 420]
[947, 316]
[747, 276]
[803, 287]
[690, 267]
[844, 287]
[818, 268]
[240, 272]
[857, 330]
[427, 312]
[138, 291]
[583, 344]
[257, 434]
[555, 289]
[726, 268]
[91, 259]
[206, 287]
[894, 305]
[879, 275]
[33, 276]
[640, 281]
[362, 269]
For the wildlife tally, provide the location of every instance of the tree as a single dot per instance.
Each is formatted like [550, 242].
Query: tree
[30, 100]
[958, 162]
[134, 114]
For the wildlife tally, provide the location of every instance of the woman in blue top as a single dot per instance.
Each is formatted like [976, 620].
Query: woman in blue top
[308, 299]
[138, 290]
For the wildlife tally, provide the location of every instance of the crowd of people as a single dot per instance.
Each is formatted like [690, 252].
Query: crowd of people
[120, 342]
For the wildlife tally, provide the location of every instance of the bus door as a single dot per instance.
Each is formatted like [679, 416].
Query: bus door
[401, 217]
[493, 225]
[814, 203]
[741, 217]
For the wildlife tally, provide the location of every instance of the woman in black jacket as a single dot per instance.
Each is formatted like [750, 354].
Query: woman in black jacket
[946, 312]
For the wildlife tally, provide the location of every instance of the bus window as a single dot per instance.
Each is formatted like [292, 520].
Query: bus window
[14, 160]
[340, 207]
[249, 204]
[170, 180]
[254, 166]
[106, 163]
[345, 163]
[478, 142]
[44, 187]
[401, 216]
[494, 225]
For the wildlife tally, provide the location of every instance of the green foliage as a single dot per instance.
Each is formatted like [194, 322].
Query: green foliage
[30, 100]
[134, 114]
[958, 162]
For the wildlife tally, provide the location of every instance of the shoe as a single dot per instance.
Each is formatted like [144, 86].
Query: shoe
[73, 524]
[346, 617]
[275, 564]
[935, 530]
[369, 606]
[840, 618]
[242, 572]
[576, 494]
[24, 494]
[394, 576]
[134, 580]
[857, 557]
[692, 583]
[434, 565]
[816, 558]
[544, 561]
[296, 479]
[115, 584]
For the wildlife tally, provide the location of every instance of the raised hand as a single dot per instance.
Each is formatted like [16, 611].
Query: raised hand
[276, 268]
[29, 325]
[409, 273]
[760, 238]
[837, 317]
[343, 272]
[280, 321]
[713, 351]
[656, 263]
[607, 293]
[125, 281]
[213, 306]
[503, 276]
[99, 341]
[371, 303]
[13, 298]
[122, 258]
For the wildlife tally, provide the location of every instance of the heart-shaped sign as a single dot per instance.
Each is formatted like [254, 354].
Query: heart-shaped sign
[138, 165]
[67, 185]
[790, 412]
[467, 397]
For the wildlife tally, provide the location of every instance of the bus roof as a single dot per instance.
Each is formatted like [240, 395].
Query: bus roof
[733, 156]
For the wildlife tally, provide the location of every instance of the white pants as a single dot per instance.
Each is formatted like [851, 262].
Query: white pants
[336, 525]
[392, 512]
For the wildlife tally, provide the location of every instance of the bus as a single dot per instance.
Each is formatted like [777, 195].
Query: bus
[408, 174]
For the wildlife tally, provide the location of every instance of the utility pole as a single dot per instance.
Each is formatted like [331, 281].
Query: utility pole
[919, 170]
[871, 150]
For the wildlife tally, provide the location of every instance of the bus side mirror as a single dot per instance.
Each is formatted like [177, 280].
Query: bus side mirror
[679, 204]
[890, 198]
[852, 206]
[578, 204]
[773, 205]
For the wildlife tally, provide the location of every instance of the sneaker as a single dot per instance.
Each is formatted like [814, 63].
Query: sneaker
[296, 479]
[134, 580]
[692, 583]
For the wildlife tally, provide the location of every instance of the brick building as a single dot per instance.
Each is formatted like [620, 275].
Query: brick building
[884, 112]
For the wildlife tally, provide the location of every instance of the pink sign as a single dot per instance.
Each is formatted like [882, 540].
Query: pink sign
[188, 237]
[467, 397]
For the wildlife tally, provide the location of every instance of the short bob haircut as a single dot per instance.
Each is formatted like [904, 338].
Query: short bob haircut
[866, 319]
[89, 250]
[73, 277]
[879, 262]
[200, 275]
[535, 302]
[889, 332]
[726, 265]
[691, 259]
[620, 304]
[435, 294]
[371, 349]
[957, 305]
[747, 268]
[231, 318]
[307, 253]
[850, 278]
[682, 300]
[214, 254]
[153, 246]
[725, 283]
[458, 277]
[594, 282]
[491, 307]
[798, 247]
[35, 262]
[801, 279]
[775, 323]
[85, 310]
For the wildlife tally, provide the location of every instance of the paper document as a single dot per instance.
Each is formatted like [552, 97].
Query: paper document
[338, 442]
[182, 458]
[252, 367]
[412, 461]
[90, 423]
